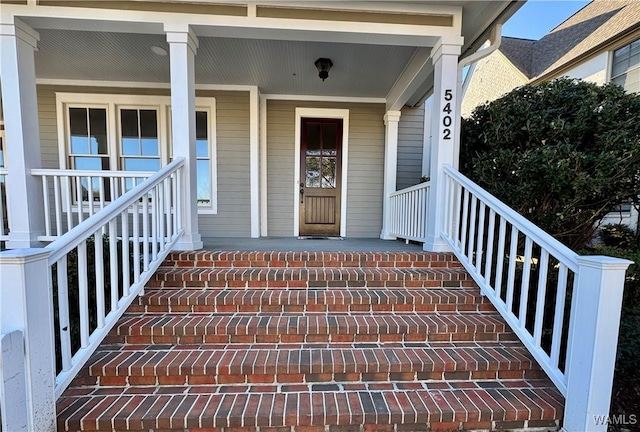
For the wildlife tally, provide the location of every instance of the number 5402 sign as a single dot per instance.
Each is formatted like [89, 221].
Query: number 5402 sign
[446, 119]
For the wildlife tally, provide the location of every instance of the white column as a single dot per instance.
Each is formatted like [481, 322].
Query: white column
[426, 143]
[593, 339]
[254, 159]
[444, 117]
[22, 132]
[26, 309]
[183, 45]
[263, 167]
[391, 119]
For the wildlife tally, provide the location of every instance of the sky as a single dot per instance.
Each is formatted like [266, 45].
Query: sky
[537, 17]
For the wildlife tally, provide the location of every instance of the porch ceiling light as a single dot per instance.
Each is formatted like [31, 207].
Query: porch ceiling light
[159, 51]
[323, 65]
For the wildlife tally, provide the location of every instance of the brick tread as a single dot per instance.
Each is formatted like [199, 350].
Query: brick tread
[318, 300]
[179, 408]
[310, 259]
[168, 277]
[288, 327]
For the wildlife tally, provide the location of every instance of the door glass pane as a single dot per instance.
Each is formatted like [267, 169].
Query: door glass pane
[313, 171]
[98, 131]
[313, 138]
[329, 172]
[79, 132]
[329, 136]
[204, 181]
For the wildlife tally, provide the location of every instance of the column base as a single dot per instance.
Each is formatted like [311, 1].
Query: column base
[386, 236]
[24, 241]
[189, 243]
[435, 244]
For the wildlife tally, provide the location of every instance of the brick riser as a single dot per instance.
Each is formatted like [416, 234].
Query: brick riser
[219, 349]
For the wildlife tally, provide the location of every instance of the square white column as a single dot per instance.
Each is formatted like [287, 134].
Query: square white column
[444, 117]
[391, 120]
[183, 45]
[22, 132]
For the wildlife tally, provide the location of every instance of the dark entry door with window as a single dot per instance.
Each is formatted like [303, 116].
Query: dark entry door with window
[320, 176]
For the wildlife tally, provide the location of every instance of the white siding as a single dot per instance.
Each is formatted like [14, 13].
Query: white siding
[410, 144]
[593, 70]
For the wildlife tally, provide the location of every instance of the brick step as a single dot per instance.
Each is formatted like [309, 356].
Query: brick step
[122, 365]
[288, 278]
[316, 300]
[234, 259]
[192, 328]
[485, 405]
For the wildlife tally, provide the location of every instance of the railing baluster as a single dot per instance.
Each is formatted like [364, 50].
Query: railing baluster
[83, 295]
[113, 265]
[543, 268]
[160, 212]
[456, 227]
[136, 241]
[67, 195]
[558, 316]
[488, 265]
[472, 228]
[79, 200]
[480, 241]
[63, 313]
[58, 205]
[145, 232]
[176, 202]
[526, 276]
[465, 220]
[126, 283]
[513, 256]
[154, 224]
[502, 233]
[47, 211]
[99, 262]
[90, 195]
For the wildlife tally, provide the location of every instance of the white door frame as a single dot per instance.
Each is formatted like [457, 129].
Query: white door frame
[321, 113]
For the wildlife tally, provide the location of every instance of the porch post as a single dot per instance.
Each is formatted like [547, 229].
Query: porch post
[183, 44]
[391, 119]
[443, 120]
[18, 76]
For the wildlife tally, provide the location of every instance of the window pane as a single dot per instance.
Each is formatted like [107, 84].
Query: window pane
[89, 163]
[130, 146]
[329, 173]
[98, 130]
[150, 146]
[78, 130]
[313, 138]
[129, 123]
[204, 181]
[148, 124]
[201, 125]
[140, 164]
[313, 172]
[1, 151]
[202, 148]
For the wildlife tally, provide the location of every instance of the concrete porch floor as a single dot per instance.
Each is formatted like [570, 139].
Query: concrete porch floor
[297, 245]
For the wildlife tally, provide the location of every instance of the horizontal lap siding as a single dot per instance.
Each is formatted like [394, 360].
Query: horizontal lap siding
[232, 112]
[410, 145]
[365, 171]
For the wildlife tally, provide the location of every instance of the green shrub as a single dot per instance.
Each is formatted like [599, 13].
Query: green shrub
[618, 235]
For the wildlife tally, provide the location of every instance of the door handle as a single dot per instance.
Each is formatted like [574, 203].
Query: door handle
[302, 193]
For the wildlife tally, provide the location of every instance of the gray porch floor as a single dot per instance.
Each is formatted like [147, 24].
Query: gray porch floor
[295, 245]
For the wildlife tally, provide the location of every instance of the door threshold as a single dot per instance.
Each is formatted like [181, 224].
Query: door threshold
[319, 237]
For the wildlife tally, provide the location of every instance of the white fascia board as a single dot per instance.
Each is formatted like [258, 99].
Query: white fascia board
[137, 84]
[319, 98]
[209, 25]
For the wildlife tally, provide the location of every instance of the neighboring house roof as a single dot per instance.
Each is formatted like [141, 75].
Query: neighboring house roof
[588, 31]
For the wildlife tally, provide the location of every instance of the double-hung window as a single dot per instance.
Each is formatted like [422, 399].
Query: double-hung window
[625, 70]
[132, 133]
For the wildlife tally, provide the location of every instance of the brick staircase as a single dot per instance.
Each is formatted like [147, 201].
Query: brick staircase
[310, 341]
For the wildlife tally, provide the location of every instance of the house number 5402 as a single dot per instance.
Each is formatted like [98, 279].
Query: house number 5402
[446, 119]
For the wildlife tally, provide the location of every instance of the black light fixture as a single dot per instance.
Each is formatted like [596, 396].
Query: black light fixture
[323, 65]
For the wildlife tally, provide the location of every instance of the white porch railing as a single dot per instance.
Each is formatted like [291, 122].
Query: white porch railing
[4, 214]
[71, 196]
[65, 298]
[565, 308]
[408, 208]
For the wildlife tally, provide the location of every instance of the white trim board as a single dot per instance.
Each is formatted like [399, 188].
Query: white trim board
[137, 84]
[321, 113]
[320, 98]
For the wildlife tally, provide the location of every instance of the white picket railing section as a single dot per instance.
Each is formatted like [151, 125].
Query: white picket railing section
[4, 218]
[409, 212]
[565, 308]
[133, 234]
[71, 196]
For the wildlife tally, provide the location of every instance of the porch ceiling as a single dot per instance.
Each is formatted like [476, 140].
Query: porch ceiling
[279, 67]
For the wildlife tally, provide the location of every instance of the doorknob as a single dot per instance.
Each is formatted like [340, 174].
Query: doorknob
[302, 193]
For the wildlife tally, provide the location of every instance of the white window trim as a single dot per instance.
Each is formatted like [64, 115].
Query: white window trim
[610, 76]
[321, 113]
[114, 102]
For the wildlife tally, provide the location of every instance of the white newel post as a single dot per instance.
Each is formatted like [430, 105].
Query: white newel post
[391, 119]
[183, 45]
[593, 338]
[27, 385]
[22, 132]
[444, 117]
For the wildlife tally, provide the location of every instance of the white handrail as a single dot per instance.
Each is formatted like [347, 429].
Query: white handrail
[70, 196]
[155, 205]
[408, 211]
